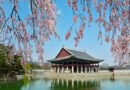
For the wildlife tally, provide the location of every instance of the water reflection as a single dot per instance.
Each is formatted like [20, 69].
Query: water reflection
[11, 85]
[62, 84]
[99, 83]
[37, 84]
[112, 77]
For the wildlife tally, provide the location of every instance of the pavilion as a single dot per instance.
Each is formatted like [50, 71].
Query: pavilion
[74, 61]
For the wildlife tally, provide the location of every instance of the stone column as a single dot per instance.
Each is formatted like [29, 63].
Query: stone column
[53, 69]
[85, 69]
[97, 69]
[62, 69]
[90, 69]
[72, 67]
[94, 68]
[58, 69]
[67, 70]
[81, 69]
[77, 69]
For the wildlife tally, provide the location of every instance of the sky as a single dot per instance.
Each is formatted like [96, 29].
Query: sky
[89, 43]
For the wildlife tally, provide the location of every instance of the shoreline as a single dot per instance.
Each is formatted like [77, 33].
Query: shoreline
[102, 73]
[52, 75]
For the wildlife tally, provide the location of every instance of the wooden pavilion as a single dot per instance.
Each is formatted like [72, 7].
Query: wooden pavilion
[74, 61]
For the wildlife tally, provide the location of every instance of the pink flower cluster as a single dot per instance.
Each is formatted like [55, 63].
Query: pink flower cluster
[113, 16]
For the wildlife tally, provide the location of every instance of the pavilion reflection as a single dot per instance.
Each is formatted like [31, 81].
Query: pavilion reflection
[112, 77]
[64, 84]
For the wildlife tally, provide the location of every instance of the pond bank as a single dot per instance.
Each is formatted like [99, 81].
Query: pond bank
[50, 74]
[16, 77]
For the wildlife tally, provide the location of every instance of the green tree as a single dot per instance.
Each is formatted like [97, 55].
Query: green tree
[10, 62]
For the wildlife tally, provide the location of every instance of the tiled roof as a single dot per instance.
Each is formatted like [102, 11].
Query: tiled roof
[81, 55]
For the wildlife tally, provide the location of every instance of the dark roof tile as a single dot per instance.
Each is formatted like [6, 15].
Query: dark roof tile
[82, 55]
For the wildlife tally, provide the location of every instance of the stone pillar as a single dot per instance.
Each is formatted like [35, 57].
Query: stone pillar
[90, 69]
[58, 69]
[81, 69]
[67, 70]
[53, 69]
[62, 69]
[97, 69]
[85, 69]
[72, 67]
[77, 69]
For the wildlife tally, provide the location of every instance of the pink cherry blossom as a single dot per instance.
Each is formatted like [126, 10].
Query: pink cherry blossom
[67, 35]
[112, 16]
[75, 18]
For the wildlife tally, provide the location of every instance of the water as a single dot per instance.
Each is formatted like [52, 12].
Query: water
[114, 83]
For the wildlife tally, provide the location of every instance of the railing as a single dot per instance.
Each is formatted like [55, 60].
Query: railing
[62, 65]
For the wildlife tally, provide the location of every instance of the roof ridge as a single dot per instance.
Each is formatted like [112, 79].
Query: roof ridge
[68, 51]
[64, 57]
[74, 49]
[67, 48]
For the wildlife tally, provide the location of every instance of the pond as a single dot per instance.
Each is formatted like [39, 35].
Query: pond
[113, 83]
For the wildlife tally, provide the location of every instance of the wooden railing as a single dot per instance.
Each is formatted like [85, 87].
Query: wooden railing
[63, 65]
